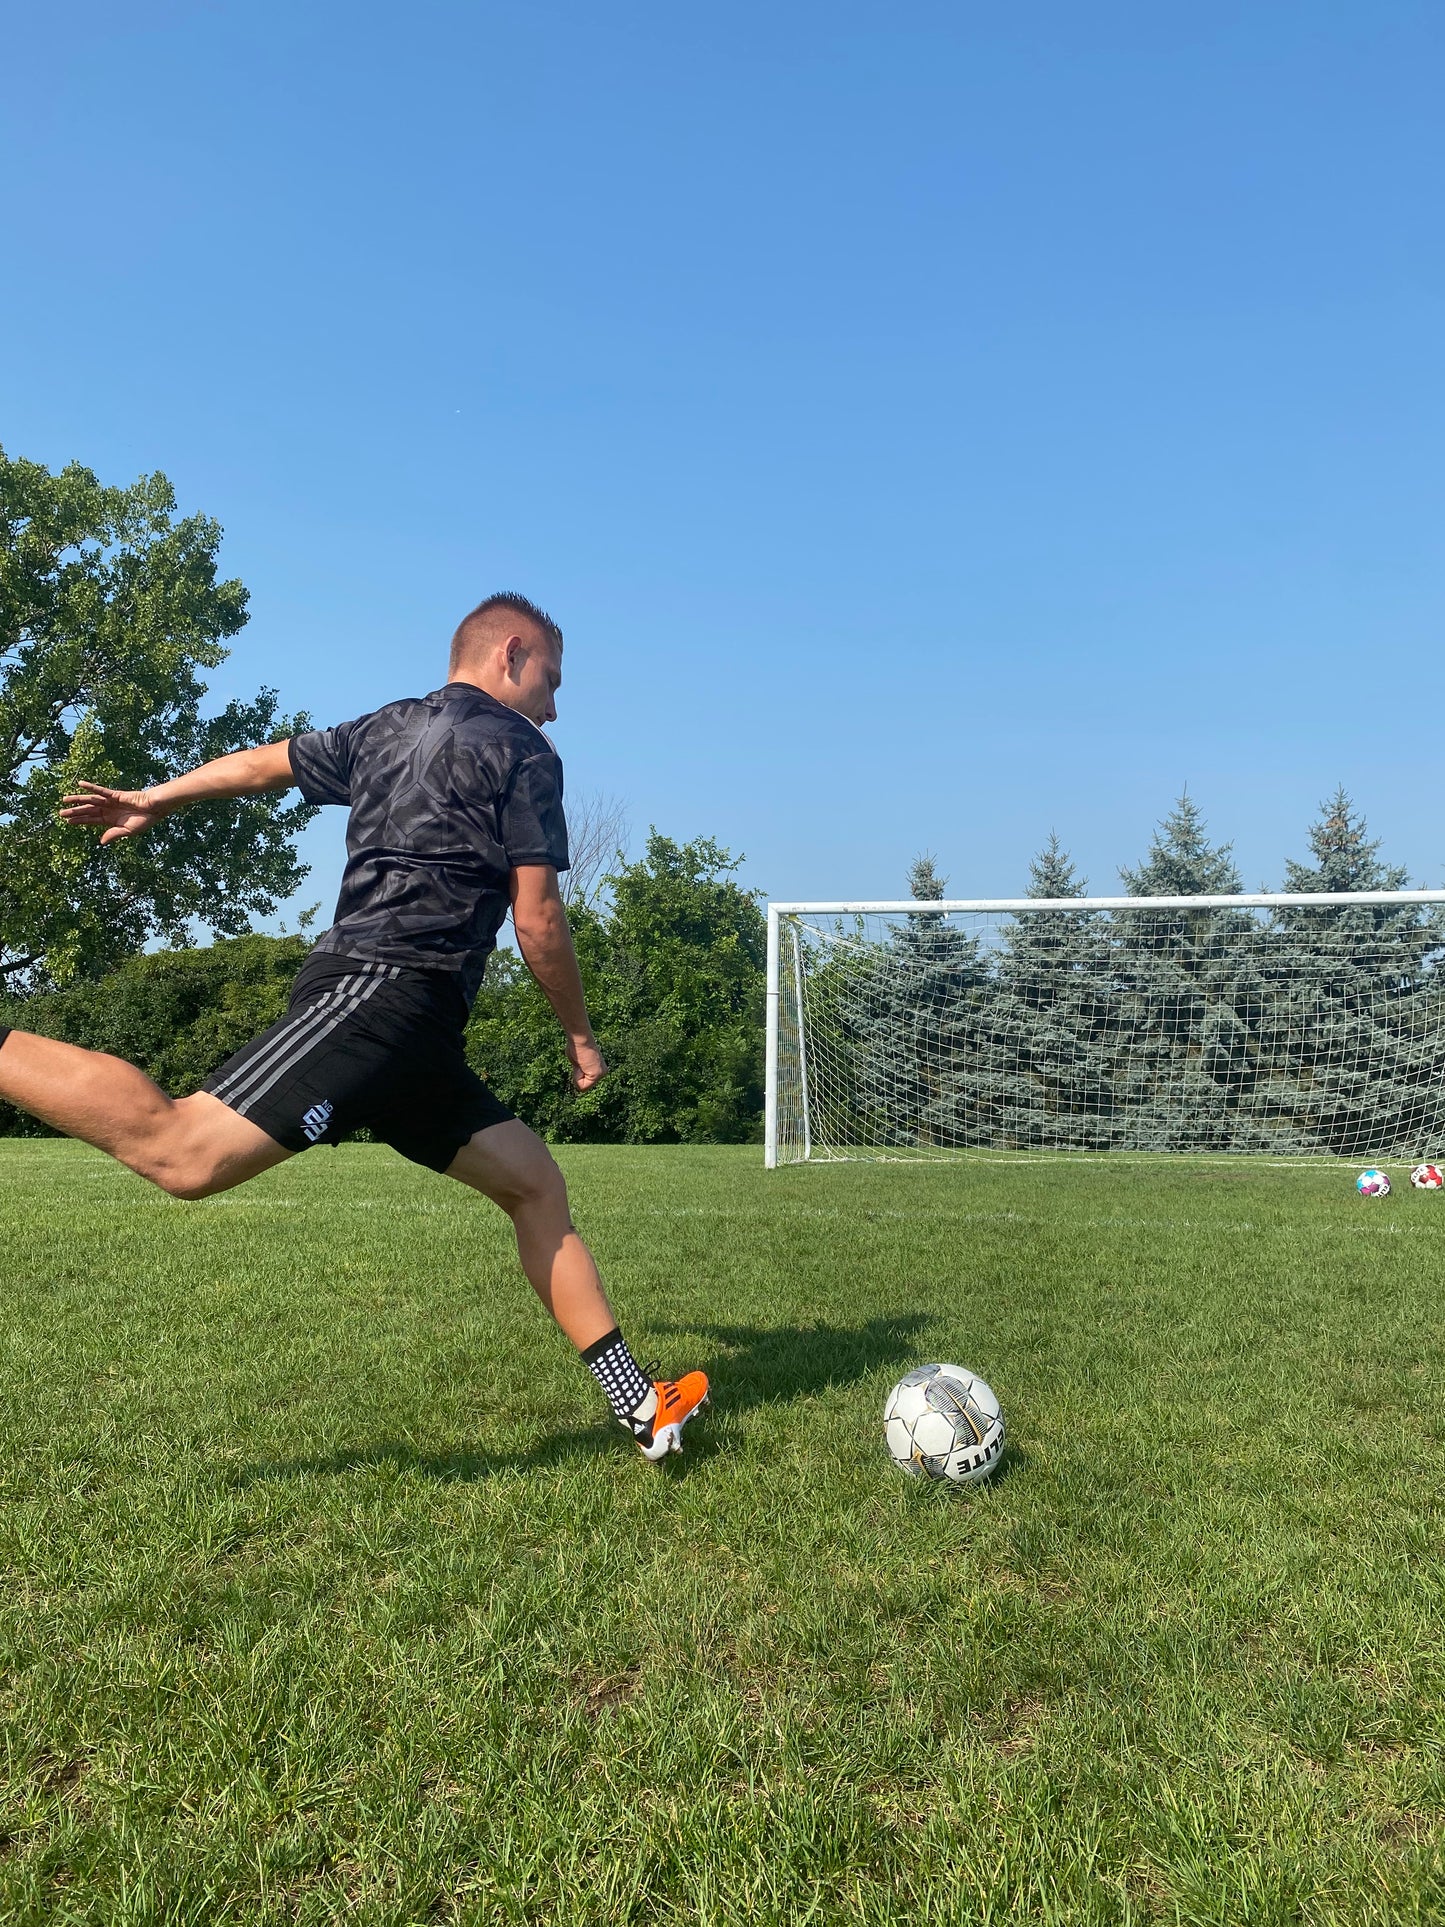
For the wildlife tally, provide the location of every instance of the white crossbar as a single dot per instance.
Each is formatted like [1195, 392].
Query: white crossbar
[1269, 900]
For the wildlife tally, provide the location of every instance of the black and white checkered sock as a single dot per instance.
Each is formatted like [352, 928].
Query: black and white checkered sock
[616, 1371]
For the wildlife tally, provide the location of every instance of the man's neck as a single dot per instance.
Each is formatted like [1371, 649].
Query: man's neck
[500, 691]
[497, 692]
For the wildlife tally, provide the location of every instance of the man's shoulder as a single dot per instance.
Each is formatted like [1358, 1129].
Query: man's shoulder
[481, 719]
[390, 718]
[500, 736]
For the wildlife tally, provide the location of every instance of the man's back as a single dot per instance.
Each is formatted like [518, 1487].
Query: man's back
[448, 793]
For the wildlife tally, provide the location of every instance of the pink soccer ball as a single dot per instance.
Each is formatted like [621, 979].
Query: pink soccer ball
[1372, 1184]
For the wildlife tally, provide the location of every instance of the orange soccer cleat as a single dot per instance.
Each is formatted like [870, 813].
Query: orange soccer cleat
[677, 1401]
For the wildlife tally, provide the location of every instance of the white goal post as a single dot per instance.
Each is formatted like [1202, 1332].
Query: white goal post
[1290, 1025]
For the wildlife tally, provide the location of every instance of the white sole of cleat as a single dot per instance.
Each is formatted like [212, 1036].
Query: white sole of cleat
[669, 1439]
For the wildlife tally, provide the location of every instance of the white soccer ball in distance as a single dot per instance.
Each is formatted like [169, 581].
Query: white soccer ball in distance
[943, 1422]
[1427, 1177]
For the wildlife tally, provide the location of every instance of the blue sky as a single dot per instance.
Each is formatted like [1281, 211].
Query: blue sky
[931, 424]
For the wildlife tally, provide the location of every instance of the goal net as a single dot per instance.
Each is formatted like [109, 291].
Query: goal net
[1289, 1026]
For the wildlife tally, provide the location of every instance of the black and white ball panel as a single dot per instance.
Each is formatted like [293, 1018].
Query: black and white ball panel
[944, 1422]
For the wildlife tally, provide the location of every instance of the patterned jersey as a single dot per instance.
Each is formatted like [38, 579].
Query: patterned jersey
[448, 793]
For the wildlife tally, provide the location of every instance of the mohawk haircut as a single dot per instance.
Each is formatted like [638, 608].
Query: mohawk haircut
[472, 629]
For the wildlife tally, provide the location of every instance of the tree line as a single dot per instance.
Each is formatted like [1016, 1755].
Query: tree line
[1305, 1029]
[672, 961]
[1315, 1028]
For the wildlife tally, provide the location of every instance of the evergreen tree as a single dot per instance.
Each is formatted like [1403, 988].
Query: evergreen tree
[1175, 1083]
[1181, 861]
[924, 882]
[1347, 1037]
[1310, 1029]
[1051, 872]
[1346, 857]
[904, 1016]
[1045, 1069]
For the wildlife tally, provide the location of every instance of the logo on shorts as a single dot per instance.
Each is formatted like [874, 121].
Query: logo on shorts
[314, 1123]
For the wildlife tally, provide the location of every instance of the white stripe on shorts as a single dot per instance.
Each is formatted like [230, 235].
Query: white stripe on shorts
[281, 1043]
[244, 1073]
[305, 1046]
[307, 1029]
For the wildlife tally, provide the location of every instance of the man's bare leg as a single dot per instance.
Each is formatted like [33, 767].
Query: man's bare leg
[189, 1146]
[513, 1167]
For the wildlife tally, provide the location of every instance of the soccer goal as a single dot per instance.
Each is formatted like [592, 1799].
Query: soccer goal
[1287, 1026]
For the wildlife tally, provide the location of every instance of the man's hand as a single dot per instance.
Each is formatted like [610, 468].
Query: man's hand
[124, 812]
[589, 1066]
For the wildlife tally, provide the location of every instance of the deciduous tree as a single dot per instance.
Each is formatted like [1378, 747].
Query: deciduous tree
[672, 963]
[110, 610]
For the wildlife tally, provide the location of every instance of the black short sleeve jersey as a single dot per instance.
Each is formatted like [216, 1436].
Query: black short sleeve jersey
[447, 793]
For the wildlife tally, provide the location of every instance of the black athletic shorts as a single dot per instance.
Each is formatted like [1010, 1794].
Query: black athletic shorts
[364, 1044]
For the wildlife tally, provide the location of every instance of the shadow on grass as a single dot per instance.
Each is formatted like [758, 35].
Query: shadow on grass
[749, 1365]
[761, 1364]
[462, 1465]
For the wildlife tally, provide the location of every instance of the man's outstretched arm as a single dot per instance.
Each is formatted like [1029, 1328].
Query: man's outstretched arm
[544, 937]
[246, 772]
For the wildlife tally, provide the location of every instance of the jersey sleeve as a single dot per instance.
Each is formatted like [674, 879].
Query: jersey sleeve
[321, 763]
[533, 828]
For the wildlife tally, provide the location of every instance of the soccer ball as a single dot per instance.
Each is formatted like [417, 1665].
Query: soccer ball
[1372, 1184]
[1427, 1177]
[942, 1422]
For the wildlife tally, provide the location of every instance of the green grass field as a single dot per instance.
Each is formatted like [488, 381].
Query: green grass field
[327, 1591]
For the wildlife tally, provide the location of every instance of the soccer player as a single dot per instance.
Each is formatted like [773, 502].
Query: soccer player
[456, 815]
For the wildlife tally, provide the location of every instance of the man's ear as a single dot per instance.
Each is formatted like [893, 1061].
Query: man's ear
[516, 655]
